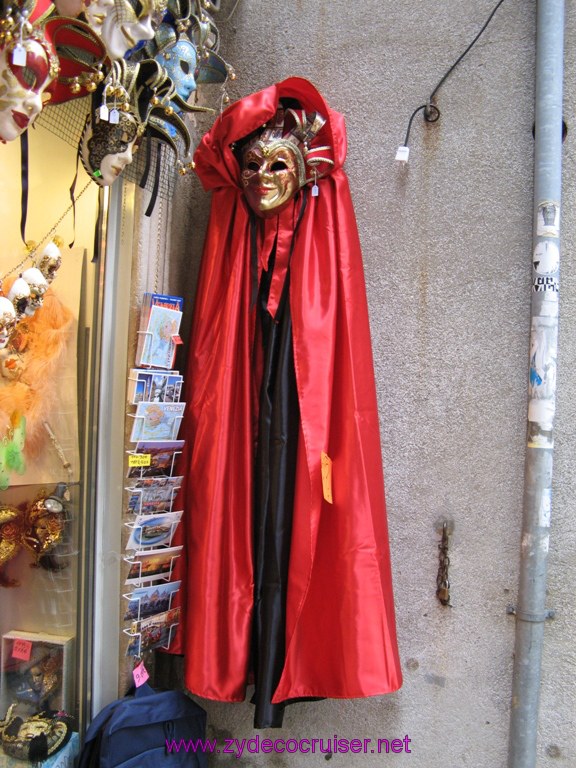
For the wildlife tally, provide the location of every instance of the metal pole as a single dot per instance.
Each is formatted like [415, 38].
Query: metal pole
[531, 612]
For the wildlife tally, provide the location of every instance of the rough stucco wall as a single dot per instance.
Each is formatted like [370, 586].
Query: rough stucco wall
[447, 246]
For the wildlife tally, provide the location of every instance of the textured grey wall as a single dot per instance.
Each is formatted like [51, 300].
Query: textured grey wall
[447, 251]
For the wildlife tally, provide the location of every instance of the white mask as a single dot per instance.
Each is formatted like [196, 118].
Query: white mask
[107, 148]
[122, 28]
[22, 88]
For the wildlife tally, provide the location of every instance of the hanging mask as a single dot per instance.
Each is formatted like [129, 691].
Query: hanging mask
[113, 129]
[96, 12]
[27, 68]
[46, 519]
[180, 61]
[38, 287]
[8, 320]
[107, 148]
[50, 261]
[129, 22]
[82, 57]
[19, 295]
[274, 163]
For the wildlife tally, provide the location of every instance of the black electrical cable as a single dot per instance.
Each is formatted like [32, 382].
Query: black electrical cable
[431, 112]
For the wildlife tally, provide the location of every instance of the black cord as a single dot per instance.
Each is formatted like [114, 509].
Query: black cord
[431, 112]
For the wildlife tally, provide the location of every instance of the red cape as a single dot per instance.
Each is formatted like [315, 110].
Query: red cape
[340, 629]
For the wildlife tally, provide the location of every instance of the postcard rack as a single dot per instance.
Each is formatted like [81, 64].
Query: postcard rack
[152, 487]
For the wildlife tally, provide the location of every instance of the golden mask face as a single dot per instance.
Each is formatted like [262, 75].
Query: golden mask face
[270, 176]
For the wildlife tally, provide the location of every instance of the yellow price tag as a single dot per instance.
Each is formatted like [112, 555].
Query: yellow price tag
[139, 460]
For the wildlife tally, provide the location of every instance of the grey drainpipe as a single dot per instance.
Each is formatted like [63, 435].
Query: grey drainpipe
[531, 611]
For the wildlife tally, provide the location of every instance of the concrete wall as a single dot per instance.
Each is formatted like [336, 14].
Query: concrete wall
[447, 250]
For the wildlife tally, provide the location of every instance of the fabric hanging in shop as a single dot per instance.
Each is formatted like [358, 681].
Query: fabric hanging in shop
[288, 580]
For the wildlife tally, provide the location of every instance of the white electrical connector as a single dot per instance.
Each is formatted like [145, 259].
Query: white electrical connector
[402, 154]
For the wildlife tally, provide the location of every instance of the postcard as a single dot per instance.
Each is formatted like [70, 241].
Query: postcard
[157, 421]
[145, 385]
[147, 601]
[161, 338]
[151, 565]
[156, 496]
[171, 616]
[154, 459]
[153, 530]
[154, 632]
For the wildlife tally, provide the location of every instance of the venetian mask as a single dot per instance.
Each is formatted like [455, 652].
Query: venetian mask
[19, 295]
[38, 286]
[280, 160]
[95, 13]
[8, 320]
[23, 85]
[270, 176]
[37, 737]
[50, 261]
[46, 520]
[127, 23]
[107, 148]
[180, 62]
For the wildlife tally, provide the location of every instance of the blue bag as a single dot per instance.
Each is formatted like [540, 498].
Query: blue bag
[134, 732]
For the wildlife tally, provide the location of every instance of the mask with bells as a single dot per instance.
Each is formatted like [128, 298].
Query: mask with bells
[28, 66]
[144, 108]
[279, 160]
[113, 128]
[180, 49]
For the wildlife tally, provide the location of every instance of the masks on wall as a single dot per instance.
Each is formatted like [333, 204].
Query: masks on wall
[135, 99]
[125, 23]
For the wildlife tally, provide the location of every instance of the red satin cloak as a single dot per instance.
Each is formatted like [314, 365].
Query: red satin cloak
[340, 628]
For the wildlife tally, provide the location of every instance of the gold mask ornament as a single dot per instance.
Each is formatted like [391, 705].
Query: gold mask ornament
[46, 519]
[37, 737]
[11, 531]
[279, 161]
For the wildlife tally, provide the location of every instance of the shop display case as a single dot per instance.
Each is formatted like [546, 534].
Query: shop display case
[61, 508]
